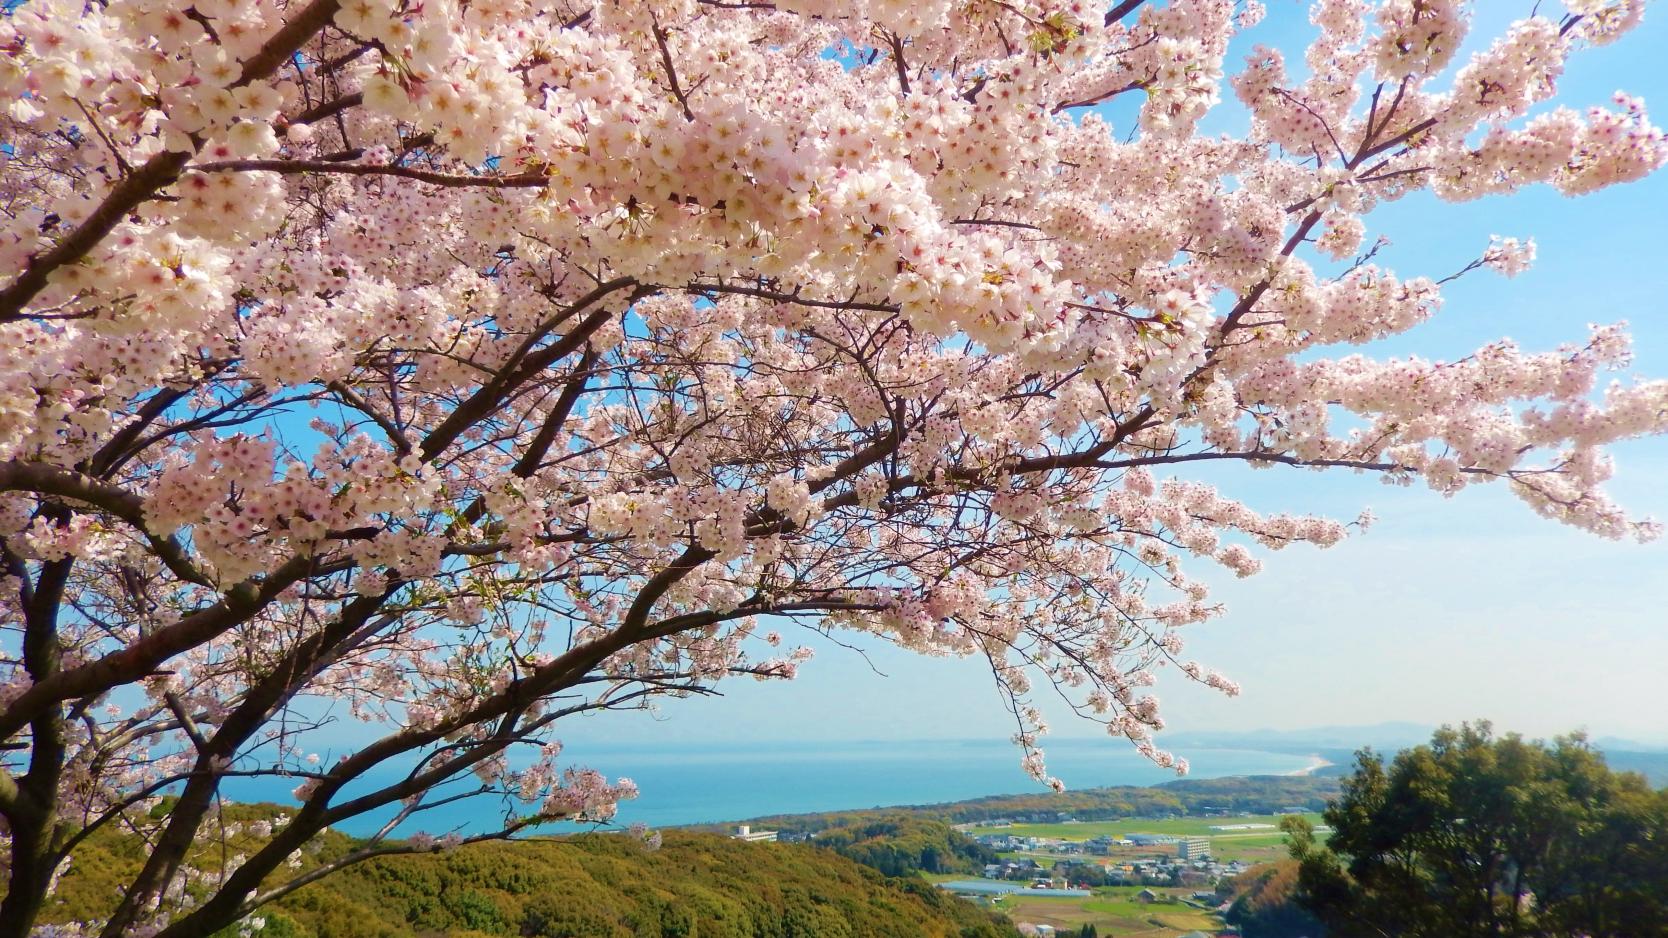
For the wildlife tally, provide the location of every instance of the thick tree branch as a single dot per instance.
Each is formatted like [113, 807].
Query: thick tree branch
[142, 657]
[1122, 10]
[449, 180]
[777, 296]
[48, 480]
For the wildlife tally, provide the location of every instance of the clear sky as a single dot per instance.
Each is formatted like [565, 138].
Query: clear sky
[1448, 609]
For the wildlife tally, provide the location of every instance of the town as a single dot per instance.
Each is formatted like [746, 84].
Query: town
[1135, 859]
[1163, 871]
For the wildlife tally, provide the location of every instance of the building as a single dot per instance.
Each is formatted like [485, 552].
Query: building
[1193, 848]
[980, 887]
[743, 832]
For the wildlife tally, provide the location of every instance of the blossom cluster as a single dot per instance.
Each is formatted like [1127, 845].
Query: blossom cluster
[458, 368]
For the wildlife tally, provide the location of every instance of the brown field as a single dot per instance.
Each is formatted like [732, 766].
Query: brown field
[1112, 912]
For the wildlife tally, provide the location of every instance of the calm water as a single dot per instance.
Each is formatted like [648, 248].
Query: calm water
[684, 784]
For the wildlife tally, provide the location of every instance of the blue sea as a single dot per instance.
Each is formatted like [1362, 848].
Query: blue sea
[700, 784]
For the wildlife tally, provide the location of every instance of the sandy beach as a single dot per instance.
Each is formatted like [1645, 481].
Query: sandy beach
[1315, 764]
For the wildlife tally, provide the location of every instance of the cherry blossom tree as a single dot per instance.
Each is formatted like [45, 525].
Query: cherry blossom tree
[458, 366]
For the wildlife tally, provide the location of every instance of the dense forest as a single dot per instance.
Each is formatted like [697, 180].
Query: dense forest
[1258, 794]
[588, 886]
[694, 886]
[903, 844]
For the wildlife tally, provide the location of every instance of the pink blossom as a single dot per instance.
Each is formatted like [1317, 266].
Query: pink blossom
[464, 368]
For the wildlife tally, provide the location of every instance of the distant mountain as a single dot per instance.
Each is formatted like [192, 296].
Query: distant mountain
[1608, 743]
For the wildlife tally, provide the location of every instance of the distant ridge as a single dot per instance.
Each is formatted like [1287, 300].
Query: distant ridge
[1338, 743]
[1253, 794]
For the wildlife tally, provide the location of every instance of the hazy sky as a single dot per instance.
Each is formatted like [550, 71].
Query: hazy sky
[1447, 609]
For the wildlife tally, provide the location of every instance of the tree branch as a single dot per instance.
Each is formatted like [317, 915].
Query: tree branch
[1121, 10]
[449, 180]
[157, 172]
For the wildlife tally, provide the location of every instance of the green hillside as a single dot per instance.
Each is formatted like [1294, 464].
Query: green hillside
[607, 886]
[904, 844]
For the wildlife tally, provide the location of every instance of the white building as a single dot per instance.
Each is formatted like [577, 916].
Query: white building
[1193, 848]
[743, 832]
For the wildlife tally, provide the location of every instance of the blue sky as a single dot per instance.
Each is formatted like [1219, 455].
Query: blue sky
[1448, 609]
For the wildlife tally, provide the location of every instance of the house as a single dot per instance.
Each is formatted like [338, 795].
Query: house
[1146, 895]
[1015, 869]
[1193, 878]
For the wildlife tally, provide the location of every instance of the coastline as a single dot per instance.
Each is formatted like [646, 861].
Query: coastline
[1316, 763]
[706, 784]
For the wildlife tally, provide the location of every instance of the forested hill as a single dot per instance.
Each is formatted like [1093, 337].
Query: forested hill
[611, 886]
[900, 845]
[1256, 794]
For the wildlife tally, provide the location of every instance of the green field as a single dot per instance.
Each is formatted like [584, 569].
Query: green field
[1193, 826]
[1113, 911]
[1258, 846]
[1249, 848]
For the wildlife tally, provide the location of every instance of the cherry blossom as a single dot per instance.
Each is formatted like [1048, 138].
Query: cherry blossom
[458, 368]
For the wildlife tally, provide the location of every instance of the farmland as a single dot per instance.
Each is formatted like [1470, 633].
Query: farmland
[1114, 910]
[1257, 845]
[1173, 827]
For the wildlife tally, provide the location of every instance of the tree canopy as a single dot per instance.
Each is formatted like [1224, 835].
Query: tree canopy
[1477, 835]
[900, 845]
[459, 367]
[587, 886]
